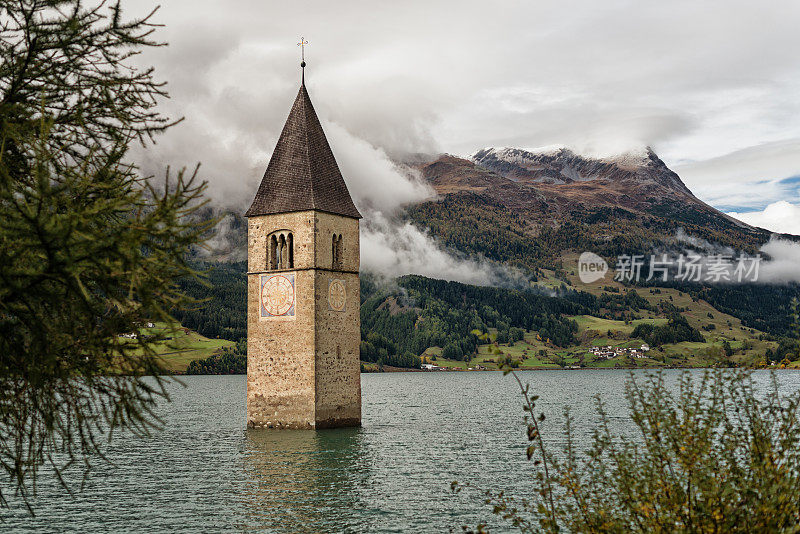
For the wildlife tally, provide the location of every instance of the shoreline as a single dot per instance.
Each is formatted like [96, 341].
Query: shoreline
[389, 369]
[402, 370]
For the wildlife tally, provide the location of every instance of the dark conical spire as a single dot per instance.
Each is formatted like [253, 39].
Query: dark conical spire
[302, 173]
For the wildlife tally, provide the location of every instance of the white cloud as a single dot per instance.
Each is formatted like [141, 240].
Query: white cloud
[374, 181]
[750, 196]
[770, 161]
[751, 177]
[696, 80]
[395, 248]
[712, 87]
[784, 263]
[782, 217]
[390, 246]
[711, 263]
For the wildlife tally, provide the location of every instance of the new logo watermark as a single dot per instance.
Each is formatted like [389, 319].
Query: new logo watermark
[591, 267]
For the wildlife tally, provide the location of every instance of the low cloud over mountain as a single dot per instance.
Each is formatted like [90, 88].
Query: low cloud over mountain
[781, 216]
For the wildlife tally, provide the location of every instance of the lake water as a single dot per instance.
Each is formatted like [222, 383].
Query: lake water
[206, 473]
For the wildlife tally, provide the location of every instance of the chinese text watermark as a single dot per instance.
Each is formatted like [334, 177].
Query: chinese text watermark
[715, 268]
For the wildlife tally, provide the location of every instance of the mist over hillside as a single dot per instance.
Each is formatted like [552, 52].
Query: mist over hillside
[495, 218]
[511, 219]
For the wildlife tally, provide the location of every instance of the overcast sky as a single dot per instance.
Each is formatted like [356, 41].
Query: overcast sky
[713, 87]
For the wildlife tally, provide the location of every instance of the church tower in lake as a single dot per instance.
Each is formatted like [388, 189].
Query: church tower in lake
[303, 302]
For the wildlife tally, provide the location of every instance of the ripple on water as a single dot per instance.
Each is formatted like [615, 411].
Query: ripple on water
[205, 472]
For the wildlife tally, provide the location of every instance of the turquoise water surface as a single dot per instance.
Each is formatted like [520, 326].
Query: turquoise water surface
[204, 472]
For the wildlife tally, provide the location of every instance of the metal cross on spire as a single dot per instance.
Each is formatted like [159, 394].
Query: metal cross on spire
[302, 44]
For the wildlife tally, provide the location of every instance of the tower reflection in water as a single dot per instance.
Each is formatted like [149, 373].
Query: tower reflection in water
[304, 480]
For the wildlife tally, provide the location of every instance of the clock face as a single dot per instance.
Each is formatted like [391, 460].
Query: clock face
[337, 298]
[277, 295]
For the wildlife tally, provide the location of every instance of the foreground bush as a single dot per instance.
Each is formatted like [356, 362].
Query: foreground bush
[91, 250]
[708, 455]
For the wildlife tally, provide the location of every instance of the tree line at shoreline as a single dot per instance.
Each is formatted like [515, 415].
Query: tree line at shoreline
[402, 318]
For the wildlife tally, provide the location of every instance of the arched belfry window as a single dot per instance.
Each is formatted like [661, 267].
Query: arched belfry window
[272, 253]
[290, 251]
[336, 251]
[280, 250]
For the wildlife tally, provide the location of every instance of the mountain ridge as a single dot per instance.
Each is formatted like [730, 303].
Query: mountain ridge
[624, 200]
[538, 212]
[557, 185]
[561, 166]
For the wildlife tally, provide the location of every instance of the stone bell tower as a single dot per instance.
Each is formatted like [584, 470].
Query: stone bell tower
[303, 302]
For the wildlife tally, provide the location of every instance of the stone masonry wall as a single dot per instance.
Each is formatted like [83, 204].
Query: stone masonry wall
[338, 366]
[280, 352]
[304, 372]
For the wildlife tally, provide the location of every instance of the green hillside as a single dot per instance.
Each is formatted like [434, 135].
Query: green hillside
[537, 212]
[183, 346]
[477, 224]
[553, 324]
[536, 331]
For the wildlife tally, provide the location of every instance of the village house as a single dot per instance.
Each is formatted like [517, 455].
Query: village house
[608, 352]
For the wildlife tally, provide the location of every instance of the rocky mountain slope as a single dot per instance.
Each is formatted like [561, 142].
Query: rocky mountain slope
[628, 204]
[562, 167]
[562, 183]
[527, 207]
[537, 212]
